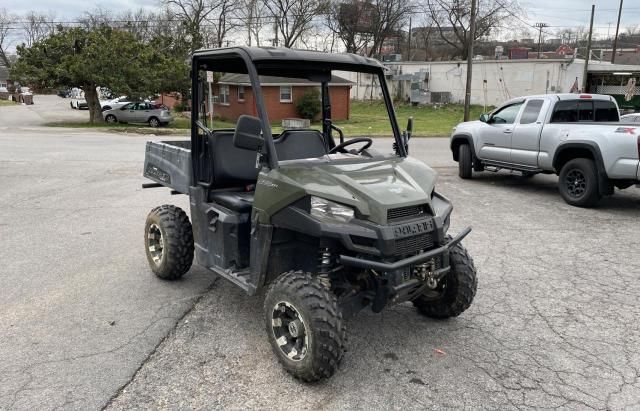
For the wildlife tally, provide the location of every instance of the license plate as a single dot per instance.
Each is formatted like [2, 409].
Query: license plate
[406, 230]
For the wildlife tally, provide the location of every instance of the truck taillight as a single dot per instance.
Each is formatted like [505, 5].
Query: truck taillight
[585, 96]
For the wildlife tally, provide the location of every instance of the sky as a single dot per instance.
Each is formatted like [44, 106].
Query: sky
[556, 13]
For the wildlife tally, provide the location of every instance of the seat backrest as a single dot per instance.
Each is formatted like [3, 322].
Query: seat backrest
[298, 144]
[232, 166]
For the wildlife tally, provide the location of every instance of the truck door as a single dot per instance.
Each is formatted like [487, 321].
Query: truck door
[495, 134]
[525, 138]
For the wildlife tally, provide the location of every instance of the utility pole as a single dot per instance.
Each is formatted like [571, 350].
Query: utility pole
[586, 59]
[615, 39]
[540, 26]
[470, 40]
[409, 39]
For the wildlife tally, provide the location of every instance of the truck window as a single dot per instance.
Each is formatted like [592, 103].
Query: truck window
[606, 111]
[531, 111]
[506, 115]
[565, 112]
[585, 110]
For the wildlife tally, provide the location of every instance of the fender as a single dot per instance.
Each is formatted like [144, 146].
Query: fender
[594, 149]
[455, 142]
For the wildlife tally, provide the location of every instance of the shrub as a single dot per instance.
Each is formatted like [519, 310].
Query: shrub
[309, 105]
[181, 106]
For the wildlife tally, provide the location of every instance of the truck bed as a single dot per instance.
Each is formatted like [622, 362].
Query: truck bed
[169, 163]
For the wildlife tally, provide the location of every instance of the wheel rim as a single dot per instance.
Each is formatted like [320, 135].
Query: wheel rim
[153, 122]
[111, 119]
[155, 243]
[576, 183]
[290, 331]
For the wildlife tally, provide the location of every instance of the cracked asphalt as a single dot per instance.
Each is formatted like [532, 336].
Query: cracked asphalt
[86, 325]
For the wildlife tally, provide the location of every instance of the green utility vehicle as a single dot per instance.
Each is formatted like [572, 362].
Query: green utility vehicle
[327, 227]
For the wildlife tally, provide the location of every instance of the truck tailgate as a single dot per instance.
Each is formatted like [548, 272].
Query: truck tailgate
[169, 163]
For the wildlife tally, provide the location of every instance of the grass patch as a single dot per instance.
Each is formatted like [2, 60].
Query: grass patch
[370, 119]
[7, 103]
[367, 119]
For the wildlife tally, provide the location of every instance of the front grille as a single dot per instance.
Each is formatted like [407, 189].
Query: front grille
[403, 213]
[410, 245]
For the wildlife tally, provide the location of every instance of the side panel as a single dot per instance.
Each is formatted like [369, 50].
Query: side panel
[494, 141]
[221, 236]
[525, 140]
[169, 163]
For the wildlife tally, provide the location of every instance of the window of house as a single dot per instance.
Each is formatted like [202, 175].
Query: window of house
[285, 94]
[531, 111]
[224, 94]
[240, 93]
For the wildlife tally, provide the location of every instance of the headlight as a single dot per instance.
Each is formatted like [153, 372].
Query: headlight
[326, 209]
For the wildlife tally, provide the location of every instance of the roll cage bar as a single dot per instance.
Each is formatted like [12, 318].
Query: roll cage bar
[256, 61]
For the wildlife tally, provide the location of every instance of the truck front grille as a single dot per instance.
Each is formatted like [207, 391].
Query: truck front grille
[402, 213]
[413, 244]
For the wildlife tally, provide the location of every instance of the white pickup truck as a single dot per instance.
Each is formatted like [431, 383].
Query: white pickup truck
[577, 136]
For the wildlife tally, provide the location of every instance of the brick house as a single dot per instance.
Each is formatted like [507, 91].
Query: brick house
[233, 96]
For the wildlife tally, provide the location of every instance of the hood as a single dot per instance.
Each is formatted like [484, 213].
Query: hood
[371, 187]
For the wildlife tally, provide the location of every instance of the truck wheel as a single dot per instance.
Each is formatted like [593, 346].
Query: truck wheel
[304, 326]
[168, 241]
[455, 291]
[578, 183]
[464, 161]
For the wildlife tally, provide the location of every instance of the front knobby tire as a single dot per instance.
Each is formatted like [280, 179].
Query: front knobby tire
[578, 183]
[168, 242]
[304, 325]
[465, 166]
[455, 292]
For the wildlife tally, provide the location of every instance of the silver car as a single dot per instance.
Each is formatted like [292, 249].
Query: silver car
[153, 114]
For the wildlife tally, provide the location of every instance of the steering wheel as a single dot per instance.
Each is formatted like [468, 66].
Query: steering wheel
[341, 146]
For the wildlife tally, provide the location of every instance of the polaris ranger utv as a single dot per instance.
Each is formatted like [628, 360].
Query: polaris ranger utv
[327, 227]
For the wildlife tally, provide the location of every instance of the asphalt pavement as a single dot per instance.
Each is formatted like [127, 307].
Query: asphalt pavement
[85, 324]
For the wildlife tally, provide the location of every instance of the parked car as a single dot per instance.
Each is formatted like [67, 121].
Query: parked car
[630, 118]
[578, 137]
[139, 113]
[79, 103]
[115, 103]
[64, 93]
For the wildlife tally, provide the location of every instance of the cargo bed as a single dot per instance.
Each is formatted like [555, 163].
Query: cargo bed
[169, 163]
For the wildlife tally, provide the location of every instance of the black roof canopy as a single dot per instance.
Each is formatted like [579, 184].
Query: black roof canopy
[283, 62]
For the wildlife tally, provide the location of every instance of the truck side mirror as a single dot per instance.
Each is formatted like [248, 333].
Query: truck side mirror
[484, 118]
[248, 133]
[409, 127]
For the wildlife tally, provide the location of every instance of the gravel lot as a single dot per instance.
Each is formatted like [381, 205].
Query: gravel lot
[85, 324]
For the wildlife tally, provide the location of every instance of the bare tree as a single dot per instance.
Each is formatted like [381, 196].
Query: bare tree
[5, 27]
[37, 26]
[344, 19]
[452, 18]
[293, 18]
[386, 19]
[632, 30]
[193, 15]
[223, 21]
[252, 13]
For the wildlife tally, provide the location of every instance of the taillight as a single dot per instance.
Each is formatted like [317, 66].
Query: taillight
[586, 96]
[638, 144]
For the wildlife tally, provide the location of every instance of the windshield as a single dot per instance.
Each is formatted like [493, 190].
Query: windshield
[335, 116]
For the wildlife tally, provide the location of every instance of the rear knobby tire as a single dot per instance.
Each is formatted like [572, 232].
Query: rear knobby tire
[465, 166]
[168, 242]
[456, 290]
[578, 183]
[317, 309]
